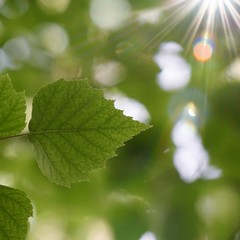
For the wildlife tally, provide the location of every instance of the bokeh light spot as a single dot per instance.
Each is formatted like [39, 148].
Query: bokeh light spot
[14, 8]
[99, 230]
[108, 14]
[18, 49]
[5, 61]
[149, 16]
[233, 70]
[54, 38]
[192, 109]
[203, 49]
[108, 73]
[2, 2]
[54, 6]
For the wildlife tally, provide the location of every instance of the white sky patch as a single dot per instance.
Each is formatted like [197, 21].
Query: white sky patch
[175, 71]
[184, 134]
[191, 158]
[190, 163]
[211, 172]
[109, 14]
[130, 107]
[148, 236]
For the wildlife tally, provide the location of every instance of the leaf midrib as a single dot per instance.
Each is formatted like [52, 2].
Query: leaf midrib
[74, 130]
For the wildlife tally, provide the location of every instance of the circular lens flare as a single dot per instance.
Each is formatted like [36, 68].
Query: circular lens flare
[203, 48]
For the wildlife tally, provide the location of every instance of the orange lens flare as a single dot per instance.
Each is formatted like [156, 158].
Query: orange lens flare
[203, 49]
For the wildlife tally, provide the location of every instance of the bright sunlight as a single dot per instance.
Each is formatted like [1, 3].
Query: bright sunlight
[209, 18]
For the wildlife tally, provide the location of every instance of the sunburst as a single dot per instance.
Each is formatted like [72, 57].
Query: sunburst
[227, 10]
[206, 20]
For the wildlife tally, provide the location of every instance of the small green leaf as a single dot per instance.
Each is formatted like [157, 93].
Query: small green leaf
[12, 108]
[15, 209]
[75, 129]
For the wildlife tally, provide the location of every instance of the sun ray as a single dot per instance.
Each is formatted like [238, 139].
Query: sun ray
[204, 16]
[207, 20]
[235, 14]
[227, 28]
[178, 12]
[195, 25]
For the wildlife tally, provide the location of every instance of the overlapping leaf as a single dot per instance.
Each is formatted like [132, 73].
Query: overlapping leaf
[12, 108]
[15, 209]
[75, 129]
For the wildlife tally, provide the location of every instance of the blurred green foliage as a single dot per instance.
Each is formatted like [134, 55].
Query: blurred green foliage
[140, 190]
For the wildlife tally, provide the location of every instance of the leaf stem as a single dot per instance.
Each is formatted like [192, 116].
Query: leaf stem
[15, 136]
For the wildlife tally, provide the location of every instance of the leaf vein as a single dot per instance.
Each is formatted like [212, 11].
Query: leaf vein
[49, 159]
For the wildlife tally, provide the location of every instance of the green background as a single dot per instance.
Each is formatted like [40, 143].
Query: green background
[140, 190]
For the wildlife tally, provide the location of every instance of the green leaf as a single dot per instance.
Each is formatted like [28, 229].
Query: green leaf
[15, 209]
[74, 129]
[12, 108]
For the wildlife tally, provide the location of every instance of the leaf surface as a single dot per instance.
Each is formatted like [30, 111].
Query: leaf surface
[74, 129]
[12, 108]
[15, 209]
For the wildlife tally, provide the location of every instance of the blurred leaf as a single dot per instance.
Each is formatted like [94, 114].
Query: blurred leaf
[129, 221]
[12, 110]
[222, 131]
[15, 209]
[74, 130]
